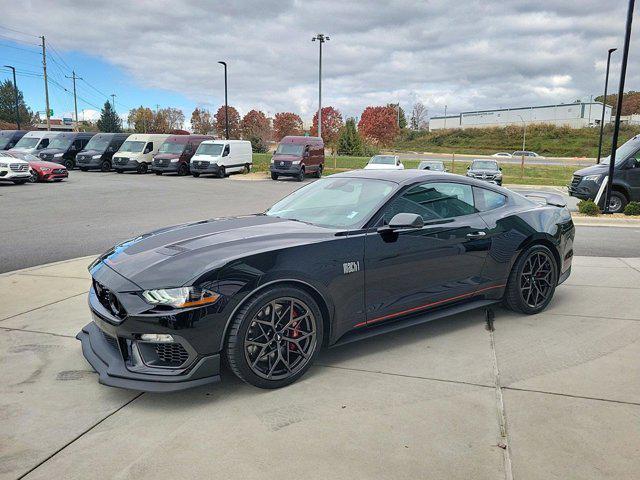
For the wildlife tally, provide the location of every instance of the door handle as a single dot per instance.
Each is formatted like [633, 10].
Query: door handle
[478, 234]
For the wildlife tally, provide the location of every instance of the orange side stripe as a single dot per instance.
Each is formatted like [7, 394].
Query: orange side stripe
[397, 314]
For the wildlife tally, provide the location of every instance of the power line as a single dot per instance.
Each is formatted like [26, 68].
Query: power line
[17, 40]
[18, 48]
[18, 31]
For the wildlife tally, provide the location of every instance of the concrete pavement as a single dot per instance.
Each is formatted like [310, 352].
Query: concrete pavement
[419, 403]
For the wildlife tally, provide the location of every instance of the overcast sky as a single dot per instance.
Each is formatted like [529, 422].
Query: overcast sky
[465, 54]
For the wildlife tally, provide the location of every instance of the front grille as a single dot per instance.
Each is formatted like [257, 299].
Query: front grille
[108, 300]
[575, 181]
[171, 354]
[19, 167]
[201, 164]
[120, 160]
[82, 159]
[282, 164]
[46, 156]
[161, 163]
[59, 170]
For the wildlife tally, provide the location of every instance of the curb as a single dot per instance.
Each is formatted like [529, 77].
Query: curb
[606, 222]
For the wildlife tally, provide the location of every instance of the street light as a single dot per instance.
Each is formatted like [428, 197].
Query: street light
[321, 38]
[616, 126]
[524, 142]
[604, 102]
[15, 88]
[226, 104]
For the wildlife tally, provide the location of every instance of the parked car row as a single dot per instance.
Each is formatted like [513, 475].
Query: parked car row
[21, 168]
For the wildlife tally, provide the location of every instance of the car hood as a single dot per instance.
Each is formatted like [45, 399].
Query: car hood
[21, 150]
[593, 170]
[44, 164]
[479, 171]
[179, 255]
[278, 157]
[11, 160]
[90, 153]
[48, 151]
[166, 156]
[379, 166]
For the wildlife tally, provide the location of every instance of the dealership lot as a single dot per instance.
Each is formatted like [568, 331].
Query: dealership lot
[409, 404]
[403, 405]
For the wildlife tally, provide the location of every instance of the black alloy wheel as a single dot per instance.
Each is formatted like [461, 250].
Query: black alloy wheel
[195, 174]
[300, 176]
[143, 168]
[183, 170]
[119, 171]
[105, 166]
[34, 177]
[247, 168]
[319, 171]
[274, 339]
[222, 172]
[70, 164]
[158, 173]
[84, 169]
[274, 176]
[532, 281]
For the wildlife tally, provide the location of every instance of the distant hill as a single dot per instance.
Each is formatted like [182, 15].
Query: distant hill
[630, 102]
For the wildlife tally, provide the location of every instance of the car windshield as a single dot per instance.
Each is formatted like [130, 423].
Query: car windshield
[4, 141]
[28, 142]
[212, 149]
[484, 165]
[132, 146]
[431, 166]
[623, 152]
[98, 143]
[382, 160]
[334, 202]
[171, 147]
[61, 143]
[289, 149]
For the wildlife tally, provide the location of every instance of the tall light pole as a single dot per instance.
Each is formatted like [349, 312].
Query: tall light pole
[226, 104]
[604, 102]
[15, 89]
[445, 117]
[616, 126]
[321, 38]
[75, 98]
[524, 143]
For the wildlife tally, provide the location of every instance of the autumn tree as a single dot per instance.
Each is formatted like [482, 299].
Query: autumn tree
[174, 117]
[201, 122]
[331, 125]
[140, 119]
[630, 102]
[379, 125]
[286, 123]
[257, 129]
[401, 118]
[234, 123]
[418, 116]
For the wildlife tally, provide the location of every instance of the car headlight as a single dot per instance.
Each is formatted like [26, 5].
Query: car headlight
[45, 169]
[295, 162]
[499, 175]
[182, 297]
[4, 165]
[174, 160]
[272, 161]
[96, 157]
[57, 155]
[592, 178]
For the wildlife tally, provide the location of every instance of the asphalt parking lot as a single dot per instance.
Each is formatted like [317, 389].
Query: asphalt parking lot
[555, 395]
[92, 211]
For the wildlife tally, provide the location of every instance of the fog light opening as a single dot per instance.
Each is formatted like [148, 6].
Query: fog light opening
[156, 337]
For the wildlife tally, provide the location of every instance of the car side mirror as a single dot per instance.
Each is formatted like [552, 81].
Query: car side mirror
[469, 167]
[401, 221]
[500, 168]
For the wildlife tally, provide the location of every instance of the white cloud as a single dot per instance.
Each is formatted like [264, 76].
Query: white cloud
[467, 55]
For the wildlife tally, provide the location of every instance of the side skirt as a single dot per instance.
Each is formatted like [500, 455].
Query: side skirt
[410, 321]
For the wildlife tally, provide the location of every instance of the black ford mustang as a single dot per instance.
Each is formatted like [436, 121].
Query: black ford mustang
[346, 257]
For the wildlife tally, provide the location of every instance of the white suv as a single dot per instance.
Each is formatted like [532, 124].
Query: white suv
[13, 169]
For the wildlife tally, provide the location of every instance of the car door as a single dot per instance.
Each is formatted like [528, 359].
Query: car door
[631, 175]
[417, 269]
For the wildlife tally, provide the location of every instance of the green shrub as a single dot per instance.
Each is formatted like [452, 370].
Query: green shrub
[633, 208]
[588, 207]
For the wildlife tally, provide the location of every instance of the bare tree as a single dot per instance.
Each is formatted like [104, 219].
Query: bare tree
[418, 116]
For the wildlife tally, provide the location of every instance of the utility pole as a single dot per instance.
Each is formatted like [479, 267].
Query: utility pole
[616, 126]
[604, 102]
[15, 90]
[445, 117]
[590, 102]
[226, 103]
[321, 38]
[75, 99]
[46, 83]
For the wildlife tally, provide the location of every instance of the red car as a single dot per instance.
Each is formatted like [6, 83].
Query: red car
[42, 171]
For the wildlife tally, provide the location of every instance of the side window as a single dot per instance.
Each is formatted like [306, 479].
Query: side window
[43, 144]
[487, 199]
[149, 147]
[77, 145]
[433, 201]
[227, 150]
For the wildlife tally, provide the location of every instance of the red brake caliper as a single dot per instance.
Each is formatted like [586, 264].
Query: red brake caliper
[295, 332]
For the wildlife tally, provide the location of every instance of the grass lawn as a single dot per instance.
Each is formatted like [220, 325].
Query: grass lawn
[533, 175]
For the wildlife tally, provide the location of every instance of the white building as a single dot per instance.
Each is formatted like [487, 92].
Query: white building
[574, 115]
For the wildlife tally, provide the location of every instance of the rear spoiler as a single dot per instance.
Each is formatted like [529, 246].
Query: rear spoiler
[554, 199]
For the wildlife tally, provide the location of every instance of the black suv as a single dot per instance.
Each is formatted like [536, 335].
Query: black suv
[487, 170]
[587, 182]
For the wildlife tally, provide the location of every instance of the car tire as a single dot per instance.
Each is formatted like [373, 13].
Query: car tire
[70, 164]
[300, 176]
[195, 175]
[222, 172]
[143, 168]
[274, 176]
[183, 170]
[532, 281]
[617, 202]
[34, 177]
[105, 166]
[158, 173]
[256, 337]
[247, 168]
[83, 169]
[319, 171]
[119, 171]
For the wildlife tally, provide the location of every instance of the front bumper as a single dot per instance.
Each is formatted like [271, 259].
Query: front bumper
[494, 181]
[203, 167]
[287, 170]
[168, 167]
[584, 192]
[84, 162]
[51, 176]
[106, 359]
[129, 166]
[11, 175]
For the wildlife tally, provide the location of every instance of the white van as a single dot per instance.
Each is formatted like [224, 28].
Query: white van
[221, 157]
[136, 153]
[33, 142]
